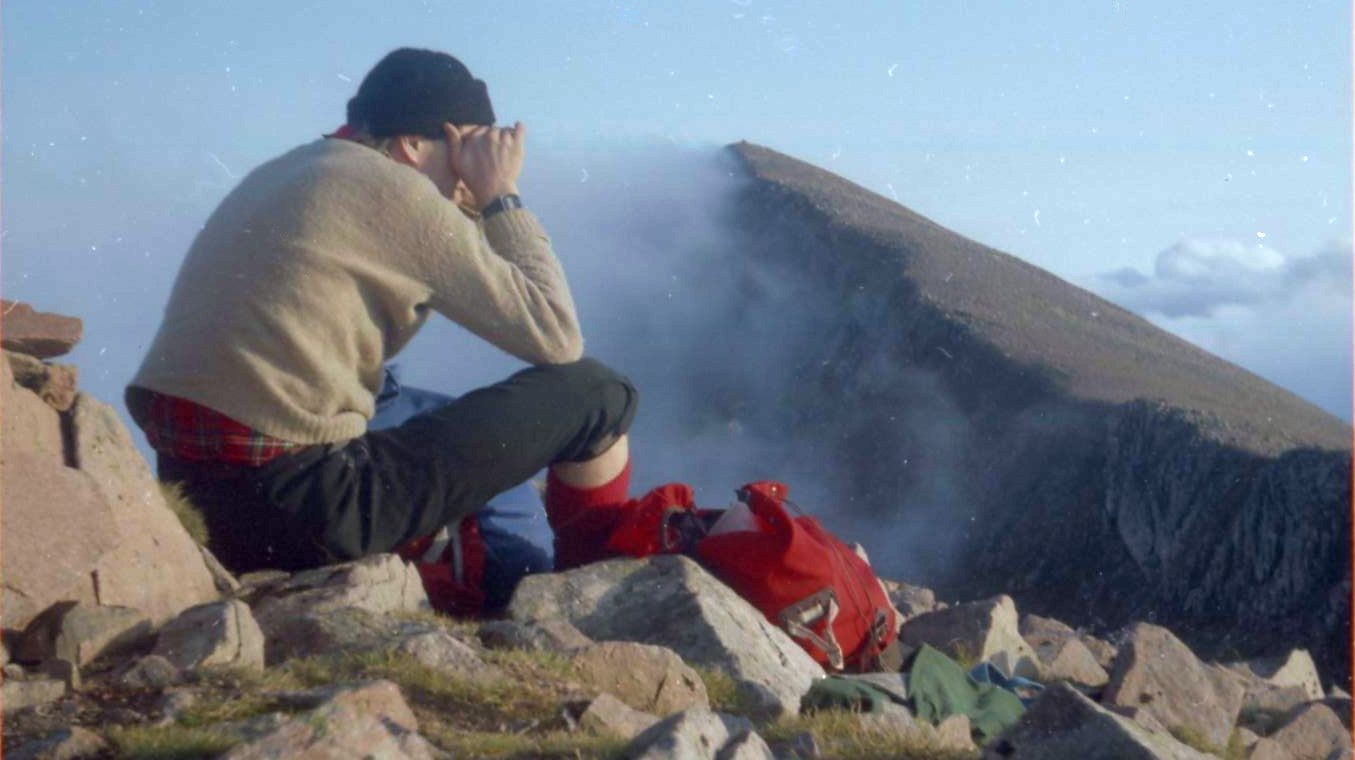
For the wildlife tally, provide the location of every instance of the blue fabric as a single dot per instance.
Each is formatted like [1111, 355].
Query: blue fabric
[1027, 690]
[518, 540]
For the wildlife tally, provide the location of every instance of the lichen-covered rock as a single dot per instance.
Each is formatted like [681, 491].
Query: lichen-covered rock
[150, 672]
[1064, 723]
[29, 424]
[1159, 674]
[1268, 749]
[80, 633]
[365, 720]
[986, 631]
[440, 650]
[215, 635]
[1070, 660]
[1313, 733]
[699, 735]
[647, 677]
[298, 617]
[608, 716]
[44, 561]
[536, 636]
[55, 384]
[910, 600]
[1293, 670]
[154, 566]
[671, 601]
[379, 584]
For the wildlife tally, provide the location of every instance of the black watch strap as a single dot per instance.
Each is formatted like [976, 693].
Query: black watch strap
[501, 204]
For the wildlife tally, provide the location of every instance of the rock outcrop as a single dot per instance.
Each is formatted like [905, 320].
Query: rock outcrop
[84, 520]
[1037, 440]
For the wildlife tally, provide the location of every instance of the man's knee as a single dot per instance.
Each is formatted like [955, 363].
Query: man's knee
[606, 398]
[601, 389]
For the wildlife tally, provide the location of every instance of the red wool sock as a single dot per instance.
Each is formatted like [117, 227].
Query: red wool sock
[583, 518]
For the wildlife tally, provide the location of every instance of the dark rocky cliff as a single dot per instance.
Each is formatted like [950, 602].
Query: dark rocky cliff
[1061, 448]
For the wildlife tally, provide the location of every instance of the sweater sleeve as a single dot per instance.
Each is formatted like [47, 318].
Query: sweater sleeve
[505, 286]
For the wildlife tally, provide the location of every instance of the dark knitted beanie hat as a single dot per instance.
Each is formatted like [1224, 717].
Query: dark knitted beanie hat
[412, 92]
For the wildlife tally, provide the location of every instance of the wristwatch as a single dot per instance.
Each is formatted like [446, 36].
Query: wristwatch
[500, 204]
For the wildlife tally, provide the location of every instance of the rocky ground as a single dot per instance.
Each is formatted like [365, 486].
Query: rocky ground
[349, 662]
[124, 638]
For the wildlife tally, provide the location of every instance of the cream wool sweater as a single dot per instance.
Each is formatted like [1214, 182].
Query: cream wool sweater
[321, 265]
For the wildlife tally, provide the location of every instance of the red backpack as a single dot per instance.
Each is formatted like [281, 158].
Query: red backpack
[799, 575]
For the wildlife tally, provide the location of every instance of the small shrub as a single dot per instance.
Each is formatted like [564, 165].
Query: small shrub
[189, 515]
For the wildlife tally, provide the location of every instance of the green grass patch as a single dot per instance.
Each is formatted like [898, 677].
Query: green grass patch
[461, 628]
[552, 744]
[723, 691]
[1237, 748]
[840, 734]
[540, 664]
[189, 515]
[171, 742]
[1195, 740]
[529, 695]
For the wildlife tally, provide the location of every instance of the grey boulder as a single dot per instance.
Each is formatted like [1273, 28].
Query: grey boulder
[1157, 673]
[699, 735]
[361, 721]
[1065, 724]
[214, 635]
[671, 601]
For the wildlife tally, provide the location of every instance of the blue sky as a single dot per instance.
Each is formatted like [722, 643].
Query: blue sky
[1190, 160]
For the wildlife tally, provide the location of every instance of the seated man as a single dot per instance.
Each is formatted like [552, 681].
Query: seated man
[259, 390]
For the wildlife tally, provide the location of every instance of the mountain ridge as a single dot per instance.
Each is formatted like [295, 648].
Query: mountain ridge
[1031, 316]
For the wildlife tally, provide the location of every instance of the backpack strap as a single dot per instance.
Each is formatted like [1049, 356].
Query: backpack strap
[821, 605]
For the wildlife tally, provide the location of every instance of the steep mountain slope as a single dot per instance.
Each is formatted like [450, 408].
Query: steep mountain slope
[1060, 448]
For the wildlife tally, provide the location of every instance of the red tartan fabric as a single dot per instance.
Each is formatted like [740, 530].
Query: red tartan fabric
[185, 430]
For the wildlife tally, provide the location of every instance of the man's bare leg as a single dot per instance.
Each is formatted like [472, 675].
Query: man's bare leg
[598, 471]
[584, 503]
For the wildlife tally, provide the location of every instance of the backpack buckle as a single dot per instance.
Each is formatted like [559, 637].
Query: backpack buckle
[819, 606]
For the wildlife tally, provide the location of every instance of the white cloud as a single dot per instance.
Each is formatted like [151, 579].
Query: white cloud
[1197, 277]
[1286, 318]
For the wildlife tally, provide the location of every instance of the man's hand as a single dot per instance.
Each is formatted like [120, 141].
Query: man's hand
[487, 159]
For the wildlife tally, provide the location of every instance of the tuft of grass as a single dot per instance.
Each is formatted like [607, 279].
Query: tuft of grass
[543, 663]
[841, 734]
[1195, 740]
[723, 691]
[553, 744]
[170, 742]
[189, 515]
[528, 696]
[459, 627]
[1236, 749]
